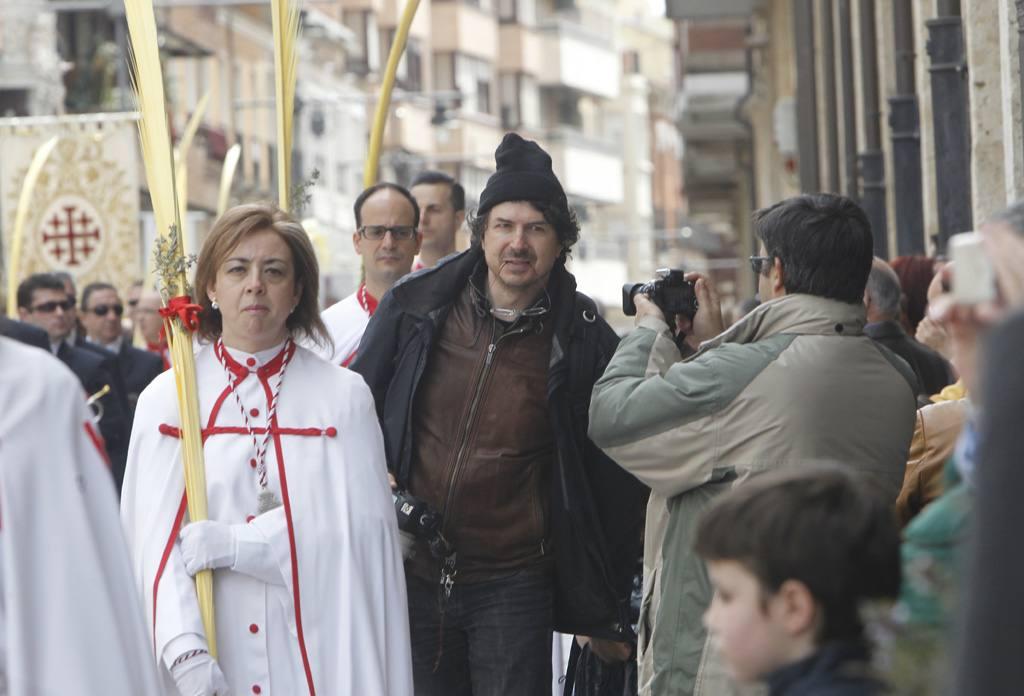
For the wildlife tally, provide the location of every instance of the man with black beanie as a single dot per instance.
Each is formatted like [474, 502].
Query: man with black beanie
[482, 369]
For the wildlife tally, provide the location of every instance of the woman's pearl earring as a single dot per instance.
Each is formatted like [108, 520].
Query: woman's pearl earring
[214, 305]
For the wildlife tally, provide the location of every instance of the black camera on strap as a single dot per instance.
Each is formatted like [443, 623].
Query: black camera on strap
[424, 523]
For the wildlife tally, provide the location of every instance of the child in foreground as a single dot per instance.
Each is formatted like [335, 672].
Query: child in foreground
[791, 558]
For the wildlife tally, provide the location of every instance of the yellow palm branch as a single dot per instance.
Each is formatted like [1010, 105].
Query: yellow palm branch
[227, 174]
[18, 238]
[181, 163]
[285, 19]
[155, 141]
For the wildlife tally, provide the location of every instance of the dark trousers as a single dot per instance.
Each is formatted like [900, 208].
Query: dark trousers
[493, 637]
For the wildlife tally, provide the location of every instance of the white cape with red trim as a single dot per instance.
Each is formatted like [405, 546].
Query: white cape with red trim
[71, 621]
[330, 614]
[346, 322]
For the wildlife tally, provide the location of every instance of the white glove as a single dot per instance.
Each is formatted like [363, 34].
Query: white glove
[240, 547]
[207, 544]
[199, 676]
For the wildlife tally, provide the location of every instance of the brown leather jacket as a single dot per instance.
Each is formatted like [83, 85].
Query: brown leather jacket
[484, 445]
[935, 435]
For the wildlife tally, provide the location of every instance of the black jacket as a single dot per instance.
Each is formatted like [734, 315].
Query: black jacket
[835, 669]
[990, 630]
[25, 333]
[597, 508]
[932, 370]
[96, 369]
[136, 369]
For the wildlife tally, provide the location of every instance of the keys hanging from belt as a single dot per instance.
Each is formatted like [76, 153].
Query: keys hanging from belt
[448, 573]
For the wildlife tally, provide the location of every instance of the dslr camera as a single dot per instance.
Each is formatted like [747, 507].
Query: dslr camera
[421, 521]
[670, 291]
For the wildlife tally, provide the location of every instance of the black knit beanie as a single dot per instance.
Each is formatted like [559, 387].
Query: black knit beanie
[523, 173]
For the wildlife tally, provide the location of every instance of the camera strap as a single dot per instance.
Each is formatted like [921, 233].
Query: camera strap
[448, 572]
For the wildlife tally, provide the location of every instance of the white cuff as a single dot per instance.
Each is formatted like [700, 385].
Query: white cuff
[187, 642]
[653, 323]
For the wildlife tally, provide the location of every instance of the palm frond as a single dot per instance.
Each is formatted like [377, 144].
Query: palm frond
[285, 19]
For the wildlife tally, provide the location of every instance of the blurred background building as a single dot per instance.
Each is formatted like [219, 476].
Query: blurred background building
[668, 124]
[910, 106]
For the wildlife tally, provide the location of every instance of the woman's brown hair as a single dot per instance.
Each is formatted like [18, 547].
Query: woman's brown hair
[230, 228]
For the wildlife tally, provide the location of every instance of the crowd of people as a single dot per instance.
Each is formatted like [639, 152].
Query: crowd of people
[411, 490]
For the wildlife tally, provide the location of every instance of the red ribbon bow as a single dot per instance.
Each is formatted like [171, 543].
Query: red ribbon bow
[183, 308]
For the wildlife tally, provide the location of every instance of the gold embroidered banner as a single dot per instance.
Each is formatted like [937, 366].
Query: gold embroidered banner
[83, 217]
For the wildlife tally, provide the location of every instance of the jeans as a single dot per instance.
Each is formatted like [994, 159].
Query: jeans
[490, 638]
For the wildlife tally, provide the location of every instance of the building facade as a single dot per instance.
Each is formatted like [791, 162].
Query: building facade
[913, 107]
[594, 81]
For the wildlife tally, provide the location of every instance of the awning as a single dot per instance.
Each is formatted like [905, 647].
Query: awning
[709, 9]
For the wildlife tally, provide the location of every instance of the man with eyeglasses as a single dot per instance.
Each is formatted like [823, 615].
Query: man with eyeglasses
[43, 301]
[101, 316]
[794, 384]
[387, 240]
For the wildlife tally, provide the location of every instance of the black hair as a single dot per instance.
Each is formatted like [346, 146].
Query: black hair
[94, 287]
[357, 207]
[458, 194]
[562, 218]
[824, 243]
[827, 528]
[39, 281]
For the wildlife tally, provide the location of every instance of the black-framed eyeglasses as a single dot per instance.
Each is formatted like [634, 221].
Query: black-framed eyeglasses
[758, 263]
[398, 232]
[53, 306]
[101, 310]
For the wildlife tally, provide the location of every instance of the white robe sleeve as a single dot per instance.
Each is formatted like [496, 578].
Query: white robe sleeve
[150, 501]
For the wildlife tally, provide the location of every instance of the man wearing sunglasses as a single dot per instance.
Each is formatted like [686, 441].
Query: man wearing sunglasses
[794, 384]
[387, 240]
[101, 314]
[43, 301]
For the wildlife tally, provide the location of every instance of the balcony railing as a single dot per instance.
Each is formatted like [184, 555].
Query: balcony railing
[580, 56]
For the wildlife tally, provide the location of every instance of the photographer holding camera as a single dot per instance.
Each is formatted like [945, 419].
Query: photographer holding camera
[795, 383]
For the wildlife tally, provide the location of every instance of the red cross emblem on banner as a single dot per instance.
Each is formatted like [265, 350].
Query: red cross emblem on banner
[70, 233]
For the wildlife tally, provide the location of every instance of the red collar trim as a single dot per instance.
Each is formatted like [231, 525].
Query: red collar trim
[367, 301]
[240, 371]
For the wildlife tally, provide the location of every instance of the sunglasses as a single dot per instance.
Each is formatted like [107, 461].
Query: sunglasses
[101, 310]
[53, 306]
[758, 263]
[398, 232]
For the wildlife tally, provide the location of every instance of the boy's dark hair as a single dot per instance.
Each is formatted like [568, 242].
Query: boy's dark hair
[458, 194]
[824, 242]
[827, 528]
[357, 207]
[564, 220]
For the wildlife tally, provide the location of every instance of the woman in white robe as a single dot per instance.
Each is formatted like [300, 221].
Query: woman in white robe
[309, 590]
[70, 621]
